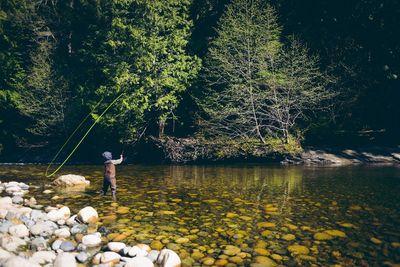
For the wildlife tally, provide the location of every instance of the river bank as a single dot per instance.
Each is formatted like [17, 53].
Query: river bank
[172, 150]
[190, 150]
[347, 156]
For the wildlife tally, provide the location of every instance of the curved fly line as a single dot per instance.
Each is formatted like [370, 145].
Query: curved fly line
[81, 140]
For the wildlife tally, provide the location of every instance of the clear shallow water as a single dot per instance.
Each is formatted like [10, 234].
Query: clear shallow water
[270, 207]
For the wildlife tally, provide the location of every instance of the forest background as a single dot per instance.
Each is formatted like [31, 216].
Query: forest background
[280, 74]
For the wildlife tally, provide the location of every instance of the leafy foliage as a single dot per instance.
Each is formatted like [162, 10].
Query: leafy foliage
[60, 58]
[148, 62]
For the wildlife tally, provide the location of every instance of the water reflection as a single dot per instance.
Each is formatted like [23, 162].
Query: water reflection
[270, 207]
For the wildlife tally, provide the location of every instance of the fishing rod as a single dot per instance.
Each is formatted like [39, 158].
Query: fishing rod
[81, 140]
[134, 142]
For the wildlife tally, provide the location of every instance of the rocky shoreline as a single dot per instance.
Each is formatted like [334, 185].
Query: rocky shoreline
[346, 156]
[32, 235]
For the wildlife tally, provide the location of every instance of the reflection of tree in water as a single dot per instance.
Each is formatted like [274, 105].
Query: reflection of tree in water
[257, 183]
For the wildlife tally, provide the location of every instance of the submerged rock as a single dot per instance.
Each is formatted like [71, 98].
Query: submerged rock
[335, 233]
[376, 241]
[322, 236]
[288, 237]
[231, 250]
[262, 261]
[298, 249]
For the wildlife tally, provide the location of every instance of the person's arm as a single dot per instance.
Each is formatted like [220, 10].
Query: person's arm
[117, 161]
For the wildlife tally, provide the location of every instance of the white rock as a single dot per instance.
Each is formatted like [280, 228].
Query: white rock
[66, 212]
[71, 180]
[136, 251]
[62, 233]
[139, 261]
[23, 186]
[48, 191]
[88, 215]
[116, 246]
[59, 214]
[4, 254]
[91, 240]
[31, 201]
[19, 193]
[18, 212]
[56, 244]
[65, 260]
[50, 208]
[125, 251]
[144, 247]
[110, 257]
[4, 226]
[42, 257]
[18, 230]
[3, 213]
[5, 202]
[168, 258]
[17, 200]
[11, 243]
[45, 228]
[13, 189]
[38, 215]
[19, 262]
[71, 221]
[97, 259]
[11, 184]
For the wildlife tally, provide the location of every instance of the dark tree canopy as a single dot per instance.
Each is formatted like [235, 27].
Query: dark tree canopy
[59, 58]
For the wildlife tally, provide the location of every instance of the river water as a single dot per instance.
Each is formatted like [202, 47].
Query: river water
[309, 216]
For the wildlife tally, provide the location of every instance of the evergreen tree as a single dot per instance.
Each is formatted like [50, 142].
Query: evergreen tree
[148, 60]
[16, 38]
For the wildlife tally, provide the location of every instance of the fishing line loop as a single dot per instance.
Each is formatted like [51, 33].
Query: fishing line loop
[81, 140]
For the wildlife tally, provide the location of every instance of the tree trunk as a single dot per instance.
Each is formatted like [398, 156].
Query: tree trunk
[161, 126]
[286, 136]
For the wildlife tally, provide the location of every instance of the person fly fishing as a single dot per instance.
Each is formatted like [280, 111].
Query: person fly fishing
[110, 179]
